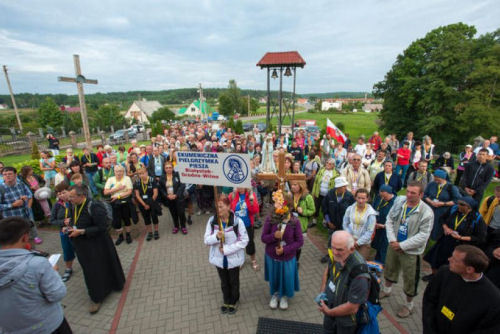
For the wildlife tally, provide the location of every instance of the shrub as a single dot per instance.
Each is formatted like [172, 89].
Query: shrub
[35, 154]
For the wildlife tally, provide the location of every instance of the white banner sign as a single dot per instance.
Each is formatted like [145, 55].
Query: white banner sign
[216, 169]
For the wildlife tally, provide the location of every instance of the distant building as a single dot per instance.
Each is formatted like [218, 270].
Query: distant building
[302, 101]
[325, 105]
[263, 100]
[3, 106]
[372, 107]
[195, 111]
[141, 110]
[70, 109]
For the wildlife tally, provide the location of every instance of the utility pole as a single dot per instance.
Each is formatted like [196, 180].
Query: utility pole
[13, 99]
[248, 105]
[80, 80]
[200, 90]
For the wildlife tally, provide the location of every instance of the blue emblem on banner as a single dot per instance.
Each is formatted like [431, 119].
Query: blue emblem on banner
[235, 169]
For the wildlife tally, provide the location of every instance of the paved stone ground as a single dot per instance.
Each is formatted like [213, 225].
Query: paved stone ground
[175, 290]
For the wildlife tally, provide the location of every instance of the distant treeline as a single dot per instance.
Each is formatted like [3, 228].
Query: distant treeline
[340, 95]
[173, 96]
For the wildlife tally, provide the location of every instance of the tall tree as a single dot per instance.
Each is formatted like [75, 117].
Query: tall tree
[49, 114]
[439, 82]
[225, 106]
[161, 114]
[108, 115]
[233, 92]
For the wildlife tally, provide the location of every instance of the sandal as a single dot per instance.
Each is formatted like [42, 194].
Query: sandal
[255, 266]
[67, 275]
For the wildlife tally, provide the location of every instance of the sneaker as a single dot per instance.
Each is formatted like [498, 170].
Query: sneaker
[273, 304]
[404, 312]
[128, 238]
[175, 230]
[149, 237]
[119, 240]
[231, 309]
[428, 278]
[67, 275]
[207, 212]
[94, 307]
[312, 223]
[38, 240]
[284, 303]
[383, 294]
[157, 235]
[199, 213]
[223, 309]
[184, 230]
[325, 258]
[189, 220]
[257, 225]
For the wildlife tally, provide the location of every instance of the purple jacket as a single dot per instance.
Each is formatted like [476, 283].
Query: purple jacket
[292, 237]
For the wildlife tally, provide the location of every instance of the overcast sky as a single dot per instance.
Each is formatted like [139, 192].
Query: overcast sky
[155, 45]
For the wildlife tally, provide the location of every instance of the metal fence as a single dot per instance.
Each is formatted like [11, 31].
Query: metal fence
[21, 144]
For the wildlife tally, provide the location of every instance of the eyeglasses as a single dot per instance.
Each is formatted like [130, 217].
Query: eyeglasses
[356, 159]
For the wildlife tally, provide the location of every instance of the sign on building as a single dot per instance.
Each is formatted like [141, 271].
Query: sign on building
[216, 169]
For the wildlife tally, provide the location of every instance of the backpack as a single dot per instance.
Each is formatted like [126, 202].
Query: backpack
[363, 268]
[373, 296]
[231, 218]
[105, 205]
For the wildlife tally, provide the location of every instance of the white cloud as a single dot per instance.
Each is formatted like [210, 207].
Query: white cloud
[151, 44]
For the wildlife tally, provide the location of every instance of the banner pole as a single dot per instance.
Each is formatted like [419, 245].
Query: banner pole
[216, 195]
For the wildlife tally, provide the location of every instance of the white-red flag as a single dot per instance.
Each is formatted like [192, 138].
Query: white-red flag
[335, 132]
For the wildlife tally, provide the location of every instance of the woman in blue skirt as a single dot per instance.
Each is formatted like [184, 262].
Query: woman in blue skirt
[282, 235]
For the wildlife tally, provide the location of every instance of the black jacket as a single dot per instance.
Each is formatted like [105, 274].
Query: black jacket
[451, 305]
[179, 188]
[477, 176]
[336, 210]
[297, 153]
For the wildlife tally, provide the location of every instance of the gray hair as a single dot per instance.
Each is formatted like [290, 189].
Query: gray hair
[80, 189]
[119, 167]
[349, 239]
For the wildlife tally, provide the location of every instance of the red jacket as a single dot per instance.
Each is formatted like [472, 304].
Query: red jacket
[376, 141]
[253, 209]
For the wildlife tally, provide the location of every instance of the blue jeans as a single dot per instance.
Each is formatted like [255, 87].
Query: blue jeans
[404, 168]
[67, 247]
[93, 188]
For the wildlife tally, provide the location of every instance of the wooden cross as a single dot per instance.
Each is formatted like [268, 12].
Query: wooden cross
[80, 80]
[282, 176]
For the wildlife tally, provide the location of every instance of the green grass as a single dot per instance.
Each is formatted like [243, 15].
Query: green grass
[355, 124]
[12, 159]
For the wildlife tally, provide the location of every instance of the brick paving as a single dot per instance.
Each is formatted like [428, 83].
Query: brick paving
[175, 290]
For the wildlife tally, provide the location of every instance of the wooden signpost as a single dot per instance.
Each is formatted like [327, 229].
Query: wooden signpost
[80, 80]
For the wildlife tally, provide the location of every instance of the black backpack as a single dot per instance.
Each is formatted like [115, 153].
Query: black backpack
[231, 219]
[105, 205]
[373, 296]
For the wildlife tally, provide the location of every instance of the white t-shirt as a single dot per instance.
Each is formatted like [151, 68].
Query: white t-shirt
[112, 183]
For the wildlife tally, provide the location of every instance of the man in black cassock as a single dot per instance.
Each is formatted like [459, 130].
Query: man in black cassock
[460, 299]
[88, 230]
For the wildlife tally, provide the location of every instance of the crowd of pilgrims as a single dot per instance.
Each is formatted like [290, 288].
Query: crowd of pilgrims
[348, 186]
